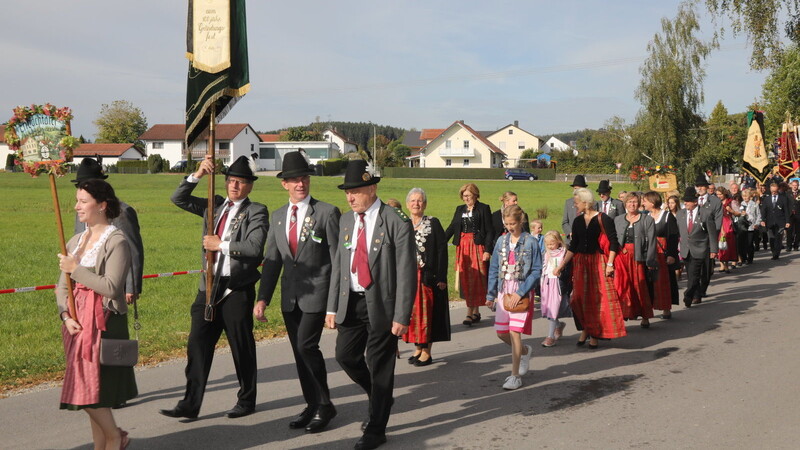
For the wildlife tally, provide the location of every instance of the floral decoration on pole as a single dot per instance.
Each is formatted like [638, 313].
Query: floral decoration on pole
[41, 139]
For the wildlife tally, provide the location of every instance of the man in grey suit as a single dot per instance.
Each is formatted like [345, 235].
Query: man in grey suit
[374, 274]
[698, 245]
[711, 203]
[569, 208]
[608, 205]
[127, 222]
[302, 244]
[240, 229]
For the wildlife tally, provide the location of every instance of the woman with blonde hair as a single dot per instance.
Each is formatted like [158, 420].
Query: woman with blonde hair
[473, 235]
[594, 246]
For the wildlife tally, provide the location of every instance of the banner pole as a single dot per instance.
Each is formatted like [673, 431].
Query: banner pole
[62, 241]
[209, 314]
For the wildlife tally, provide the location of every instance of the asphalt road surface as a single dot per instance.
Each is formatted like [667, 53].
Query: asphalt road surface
[723, 374]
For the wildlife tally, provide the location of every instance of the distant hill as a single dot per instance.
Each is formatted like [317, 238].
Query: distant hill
[357, 132]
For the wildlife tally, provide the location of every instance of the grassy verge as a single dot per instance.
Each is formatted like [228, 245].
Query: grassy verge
[30, 348]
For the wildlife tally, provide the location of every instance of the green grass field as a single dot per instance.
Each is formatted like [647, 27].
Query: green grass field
[30, 348]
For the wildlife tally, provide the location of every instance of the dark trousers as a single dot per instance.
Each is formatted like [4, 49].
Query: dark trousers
[793, 232]
[375, 373]
[305, 330]
[744, 244]
[775, 233]
[706, 270]
[694, 274]
[234, 316]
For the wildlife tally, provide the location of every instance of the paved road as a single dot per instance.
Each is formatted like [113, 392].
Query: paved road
[723, 374]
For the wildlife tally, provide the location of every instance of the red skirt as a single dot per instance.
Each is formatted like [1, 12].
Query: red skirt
[471, 271]
[419, 328]
[594, 300]
[662, 291]
[730, 253]
[630, 280]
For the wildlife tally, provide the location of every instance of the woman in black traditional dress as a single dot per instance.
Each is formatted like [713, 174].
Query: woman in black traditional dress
[663, 285]
[430, 318]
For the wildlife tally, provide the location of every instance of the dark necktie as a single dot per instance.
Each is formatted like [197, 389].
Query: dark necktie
[690, 225]
[605, 207]
[293, 231]
[774, 201]
[360, 261]
[702, 200]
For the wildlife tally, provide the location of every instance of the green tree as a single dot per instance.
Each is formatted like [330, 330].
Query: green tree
[671, 92]
[723, 141]
[781, 91]
[399, 152]
[294, 134]
[120, 123]
[763, 22]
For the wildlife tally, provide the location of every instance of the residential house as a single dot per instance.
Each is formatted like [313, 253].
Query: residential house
[271, 152]
[4, 151]
[232, 140]
[111, 153]
[513, 140]
[345, 145]
[413, 140]
[555, 144]
[459, 146]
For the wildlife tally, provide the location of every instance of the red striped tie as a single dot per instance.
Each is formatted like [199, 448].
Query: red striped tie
[293, 231]
[360, 260]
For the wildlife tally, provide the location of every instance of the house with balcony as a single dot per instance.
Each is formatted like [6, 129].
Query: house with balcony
[232, 140]
[459, 146]
[513, 140]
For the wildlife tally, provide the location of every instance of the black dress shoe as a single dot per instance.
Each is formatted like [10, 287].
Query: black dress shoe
[239, 411]
[413, 359]
[369, 441]
[321, 419]
[304, 418]
[364, 425]
[178, 413]
[697, 301]
[421, 363]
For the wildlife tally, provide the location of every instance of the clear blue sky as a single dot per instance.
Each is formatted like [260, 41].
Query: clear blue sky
[555, 66]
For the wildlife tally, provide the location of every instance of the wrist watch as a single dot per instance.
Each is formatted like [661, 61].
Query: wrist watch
[610, 264]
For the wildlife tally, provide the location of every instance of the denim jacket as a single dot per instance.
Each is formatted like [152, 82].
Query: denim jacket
[528, 250]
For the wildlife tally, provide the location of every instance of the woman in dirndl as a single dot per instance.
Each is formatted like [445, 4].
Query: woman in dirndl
[663, 284]
[516, 264]
[637, 255]
[98, 260]
[595, 305]
[430, 317]
[473, 236]
[730, 209]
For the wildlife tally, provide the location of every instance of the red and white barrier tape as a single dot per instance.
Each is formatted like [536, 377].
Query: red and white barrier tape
[53, 286]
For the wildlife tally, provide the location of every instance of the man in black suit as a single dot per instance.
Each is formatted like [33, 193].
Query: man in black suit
[302, 244]
[569, 208]
[127, 222]
[608, 205]
[240, 230]
[698, 245]
[711, 203]
[374, 274]
[774, 217]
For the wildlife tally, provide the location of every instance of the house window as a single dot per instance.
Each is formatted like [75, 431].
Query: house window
[502, 145]
[448, 144]
[224, 145]
[448, 163]
[466, 144]
[510, 131]
[158, 146]
[466, 163]
[521, 145]
[252, 148]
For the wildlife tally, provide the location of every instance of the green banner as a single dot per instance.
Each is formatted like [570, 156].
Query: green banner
[224, 88]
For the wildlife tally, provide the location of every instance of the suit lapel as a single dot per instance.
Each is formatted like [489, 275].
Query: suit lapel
[378, 235]
[306, 229]
[346, 237]
[280, 230]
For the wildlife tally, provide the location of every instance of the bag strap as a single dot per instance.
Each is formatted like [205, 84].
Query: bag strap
[136, 325]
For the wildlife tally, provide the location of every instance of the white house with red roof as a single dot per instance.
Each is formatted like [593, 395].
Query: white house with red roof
[110, 153]
[345, 145]
[459, 146]
[232, 141]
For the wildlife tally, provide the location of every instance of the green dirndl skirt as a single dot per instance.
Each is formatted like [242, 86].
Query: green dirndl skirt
[117, 384]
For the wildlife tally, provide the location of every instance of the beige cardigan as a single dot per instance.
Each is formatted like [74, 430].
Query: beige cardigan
[108, 278]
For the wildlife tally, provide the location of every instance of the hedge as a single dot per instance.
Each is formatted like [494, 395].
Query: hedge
[132, 167]
[459, 173]
[333, 166]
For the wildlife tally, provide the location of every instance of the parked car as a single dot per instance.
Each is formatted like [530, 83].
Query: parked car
[180, 166]
[520, 174]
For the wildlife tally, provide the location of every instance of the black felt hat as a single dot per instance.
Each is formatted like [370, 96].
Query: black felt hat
[690, 194]
[604, 187]
[701, 180]
[89, 169]
[579, 181]
[242, 168]
[295, 165]
[356, 175]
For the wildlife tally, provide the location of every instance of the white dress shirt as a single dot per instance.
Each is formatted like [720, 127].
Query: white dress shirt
[224, 246]
[302, 210]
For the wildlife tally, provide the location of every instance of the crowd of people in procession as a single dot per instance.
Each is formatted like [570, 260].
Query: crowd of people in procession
[377, 275]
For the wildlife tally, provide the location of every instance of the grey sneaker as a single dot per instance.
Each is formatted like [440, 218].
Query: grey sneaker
[525, 361]
[512, 383]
